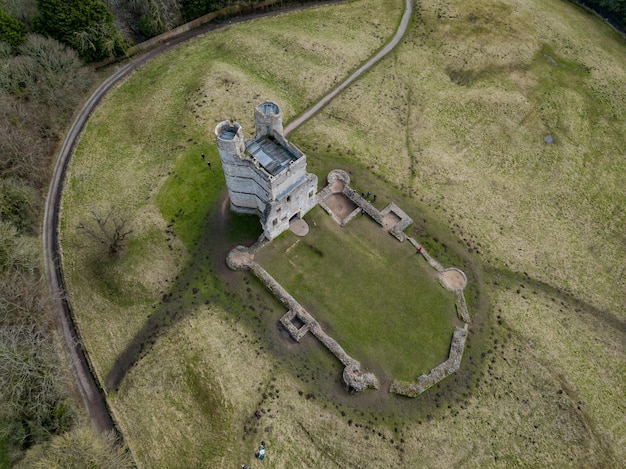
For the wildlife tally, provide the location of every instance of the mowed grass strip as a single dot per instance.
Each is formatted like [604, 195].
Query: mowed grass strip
[376, 296]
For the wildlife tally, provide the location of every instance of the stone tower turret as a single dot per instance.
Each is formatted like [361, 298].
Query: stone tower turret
[266, 175]
[230, 141]
[268, 119]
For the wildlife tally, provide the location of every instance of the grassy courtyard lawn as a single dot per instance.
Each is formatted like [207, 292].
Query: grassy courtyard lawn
[376, 296]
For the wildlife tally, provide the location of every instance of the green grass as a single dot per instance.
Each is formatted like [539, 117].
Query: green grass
[191, 192]
[5, 459]
[376, 296]
[451, 128]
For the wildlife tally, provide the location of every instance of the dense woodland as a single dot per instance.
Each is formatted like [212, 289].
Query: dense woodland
[44, 46]
[613, 10]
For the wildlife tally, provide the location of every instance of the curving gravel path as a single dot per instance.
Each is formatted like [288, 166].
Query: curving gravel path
[92, 394]
[404, 22]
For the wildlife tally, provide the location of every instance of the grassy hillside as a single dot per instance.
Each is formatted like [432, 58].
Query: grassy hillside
[452, 128]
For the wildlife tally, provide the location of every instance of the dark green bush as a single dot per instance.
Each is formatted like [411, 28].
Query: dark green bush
[148, 26]
[16, 204]
[85, 25]
[11, 30]
[614, 10]
[195, 8]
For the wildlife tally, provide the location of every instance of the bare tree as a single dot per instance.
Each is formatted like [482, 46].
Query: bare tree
[109, 230]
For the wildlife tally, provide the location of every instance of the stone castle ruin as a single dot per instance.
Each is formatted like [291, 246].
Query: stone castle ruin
[266, 175]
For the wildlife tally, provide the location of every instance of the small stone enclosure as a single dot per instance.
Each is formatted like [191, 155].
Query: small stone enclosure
[267, 176]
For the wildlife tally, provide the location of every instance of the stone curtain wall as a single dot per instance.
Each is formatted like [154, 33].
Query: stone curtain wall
[242, 258]
[431, 262]
[452, 279]
[299, 322]
[438, 373]
[461, 307]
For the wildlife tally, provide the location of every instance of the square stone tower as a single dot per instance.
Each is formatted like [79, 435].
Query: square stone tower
[266, 175]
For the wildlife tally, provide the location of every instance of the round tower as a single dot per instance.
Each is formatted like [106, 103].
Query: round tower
[268, 119]
[230, 141]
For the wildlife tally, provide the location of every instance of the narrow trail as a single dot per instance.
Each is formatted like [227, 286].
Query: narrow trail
[93, 396]
[404, 22]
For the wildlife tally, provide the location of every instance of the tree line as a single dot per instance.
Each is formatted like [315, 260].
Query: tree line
[42, 81]
[613, 10]
[44, 46]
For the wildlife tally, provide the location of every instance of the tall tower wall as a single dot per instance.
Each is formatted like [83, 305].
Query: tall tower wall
[238, 171]
[268, 120]
[230, 141]
[266, 175]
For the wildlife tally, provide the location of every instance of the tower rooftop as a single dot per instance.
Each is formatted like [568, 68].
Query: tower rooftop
[270, 154]
[228, 133]
[268, 108]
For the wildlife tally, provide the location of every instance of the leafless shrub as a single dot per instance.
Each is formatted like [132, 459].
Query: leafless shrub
[48, 77]
[109, 231]
[81, 447]
[29, 388]
[18, 252]
[23, 301]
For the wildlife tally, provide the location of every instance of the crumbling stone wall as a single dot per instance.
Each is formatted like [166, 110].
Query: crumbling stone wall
[461, 307]
[242, 258]
[432, 262]
[397, 230]
[438, 373]
[299, 322]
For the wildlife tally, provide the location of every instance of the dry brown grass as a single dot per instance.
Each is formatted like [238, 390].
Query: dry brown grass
[455, 118]
[481, 145]
[133, 139]
[469, 114]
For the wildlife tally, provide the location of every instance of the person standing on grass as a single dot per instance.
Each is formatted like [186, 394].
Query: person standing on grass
[261, 453]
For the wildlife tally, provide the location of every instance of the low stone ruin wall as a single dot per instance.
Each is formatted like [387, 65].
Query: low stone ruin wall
[397, 230]
[461, 307]
[364, 205]
[298, 322]
[350, 217]
[438, 373]
[242, 258]
[431, 262]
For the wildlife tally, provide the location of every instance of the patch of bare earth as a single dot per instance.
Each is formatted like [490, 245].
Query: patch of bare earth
[391, 220]
[340, 205]
[453, 280]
